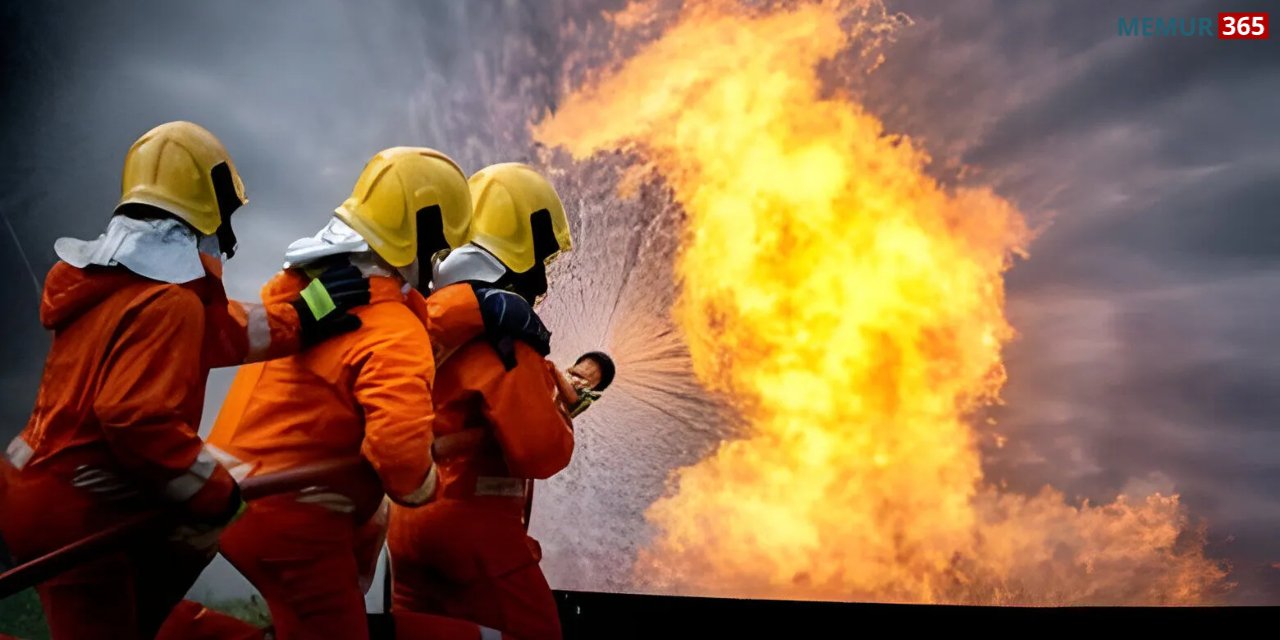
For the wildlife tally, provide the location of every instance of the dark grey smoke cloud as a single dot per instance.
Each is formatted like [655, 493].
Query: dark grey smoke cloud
[1147, 360]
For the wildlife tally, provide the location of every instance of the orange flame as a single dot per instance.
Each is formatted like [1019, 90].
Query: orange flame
[852, 309]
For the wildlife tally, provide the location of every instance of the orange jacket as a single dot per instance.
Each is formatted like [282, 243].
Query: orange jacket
[123, 384]
[528, 433]
[364, 393]
[239, 332]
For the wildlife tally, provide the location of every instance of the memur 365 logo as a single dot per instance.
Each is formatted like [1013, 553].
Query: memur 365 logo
[1227, 26]
[1243, 26]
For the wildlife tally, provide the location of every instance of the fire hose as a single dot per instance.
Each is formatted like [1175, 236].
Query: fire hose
[112, 538]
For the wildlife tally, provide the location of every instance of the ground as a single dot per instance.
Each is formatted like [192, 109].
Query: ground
[20, 615]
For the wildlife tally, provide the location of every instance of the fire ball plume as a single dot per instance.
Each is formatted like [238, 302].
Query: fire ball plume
[851, 310]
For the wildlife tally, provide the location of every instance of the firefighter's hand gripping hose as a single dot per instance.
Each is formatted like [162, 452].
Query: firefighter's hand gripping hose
[324, 305]
[203, 536]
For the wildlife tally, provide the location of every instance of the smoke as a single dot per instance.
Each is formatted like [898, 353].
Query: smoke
[851, 309]
[1057, 112]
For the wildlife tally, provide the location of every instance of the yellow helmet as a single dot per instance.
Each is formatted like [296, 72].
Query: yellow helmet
[183, 169]
[406, 197]
[510, 201]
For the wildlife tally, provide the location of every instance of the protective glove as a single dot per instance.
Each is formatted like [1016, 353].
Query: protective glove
[203, 536]
[324, 305]
[507, 318]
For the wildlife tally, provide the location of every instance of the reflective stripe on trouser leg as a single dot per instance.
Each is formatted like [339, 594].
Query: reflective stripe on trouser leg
[500, 486]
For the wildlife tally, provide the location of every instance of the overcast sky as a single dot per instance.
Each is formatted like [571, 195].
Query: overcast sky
[1148, 312]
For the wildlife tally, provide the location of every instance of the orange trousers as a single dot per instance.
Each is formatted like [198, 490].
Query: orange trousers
[124, 595]
[303, 560]
[192, 621]
[457, 567]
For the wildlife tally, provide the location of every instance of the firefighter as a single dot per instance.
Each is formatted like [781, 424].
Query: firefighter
[463, 566]
[365, 394]
[139, 316]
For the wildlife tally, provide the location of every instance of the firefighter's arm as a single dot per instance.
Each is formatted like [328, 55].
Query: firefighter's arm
[295, 311]
[459, 313]
[535, 433]
[450, 445]
[240, 332]
[393, 389]
[452, 318]
[149, 374]
[566, 393]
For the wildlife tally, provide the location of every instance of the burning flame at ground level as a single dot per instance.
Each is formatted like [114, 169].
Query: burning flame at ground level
[852, 309]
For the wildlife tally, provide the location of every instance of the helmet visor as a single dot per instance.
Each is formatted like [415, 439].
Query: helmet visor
[545, 247]
[224, 187]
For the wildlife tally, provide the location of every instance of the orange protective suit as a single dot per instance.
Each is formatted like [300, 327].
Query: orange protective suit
[192, 621]
[113, 434]
[464, 562]
[366, 393]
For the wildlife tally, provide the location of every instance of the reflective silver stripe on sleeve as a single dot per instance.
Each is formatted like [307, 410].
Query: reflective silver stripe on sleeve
[424, 492]
[204, 466]
[489, 634]
[239, 469]
[259, 330]
[181, 488]
[19, 453]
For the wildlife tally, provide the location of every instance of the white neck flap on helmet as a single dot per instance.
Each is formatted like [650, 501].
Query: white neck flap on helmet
[165, 250]
[337, 238]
